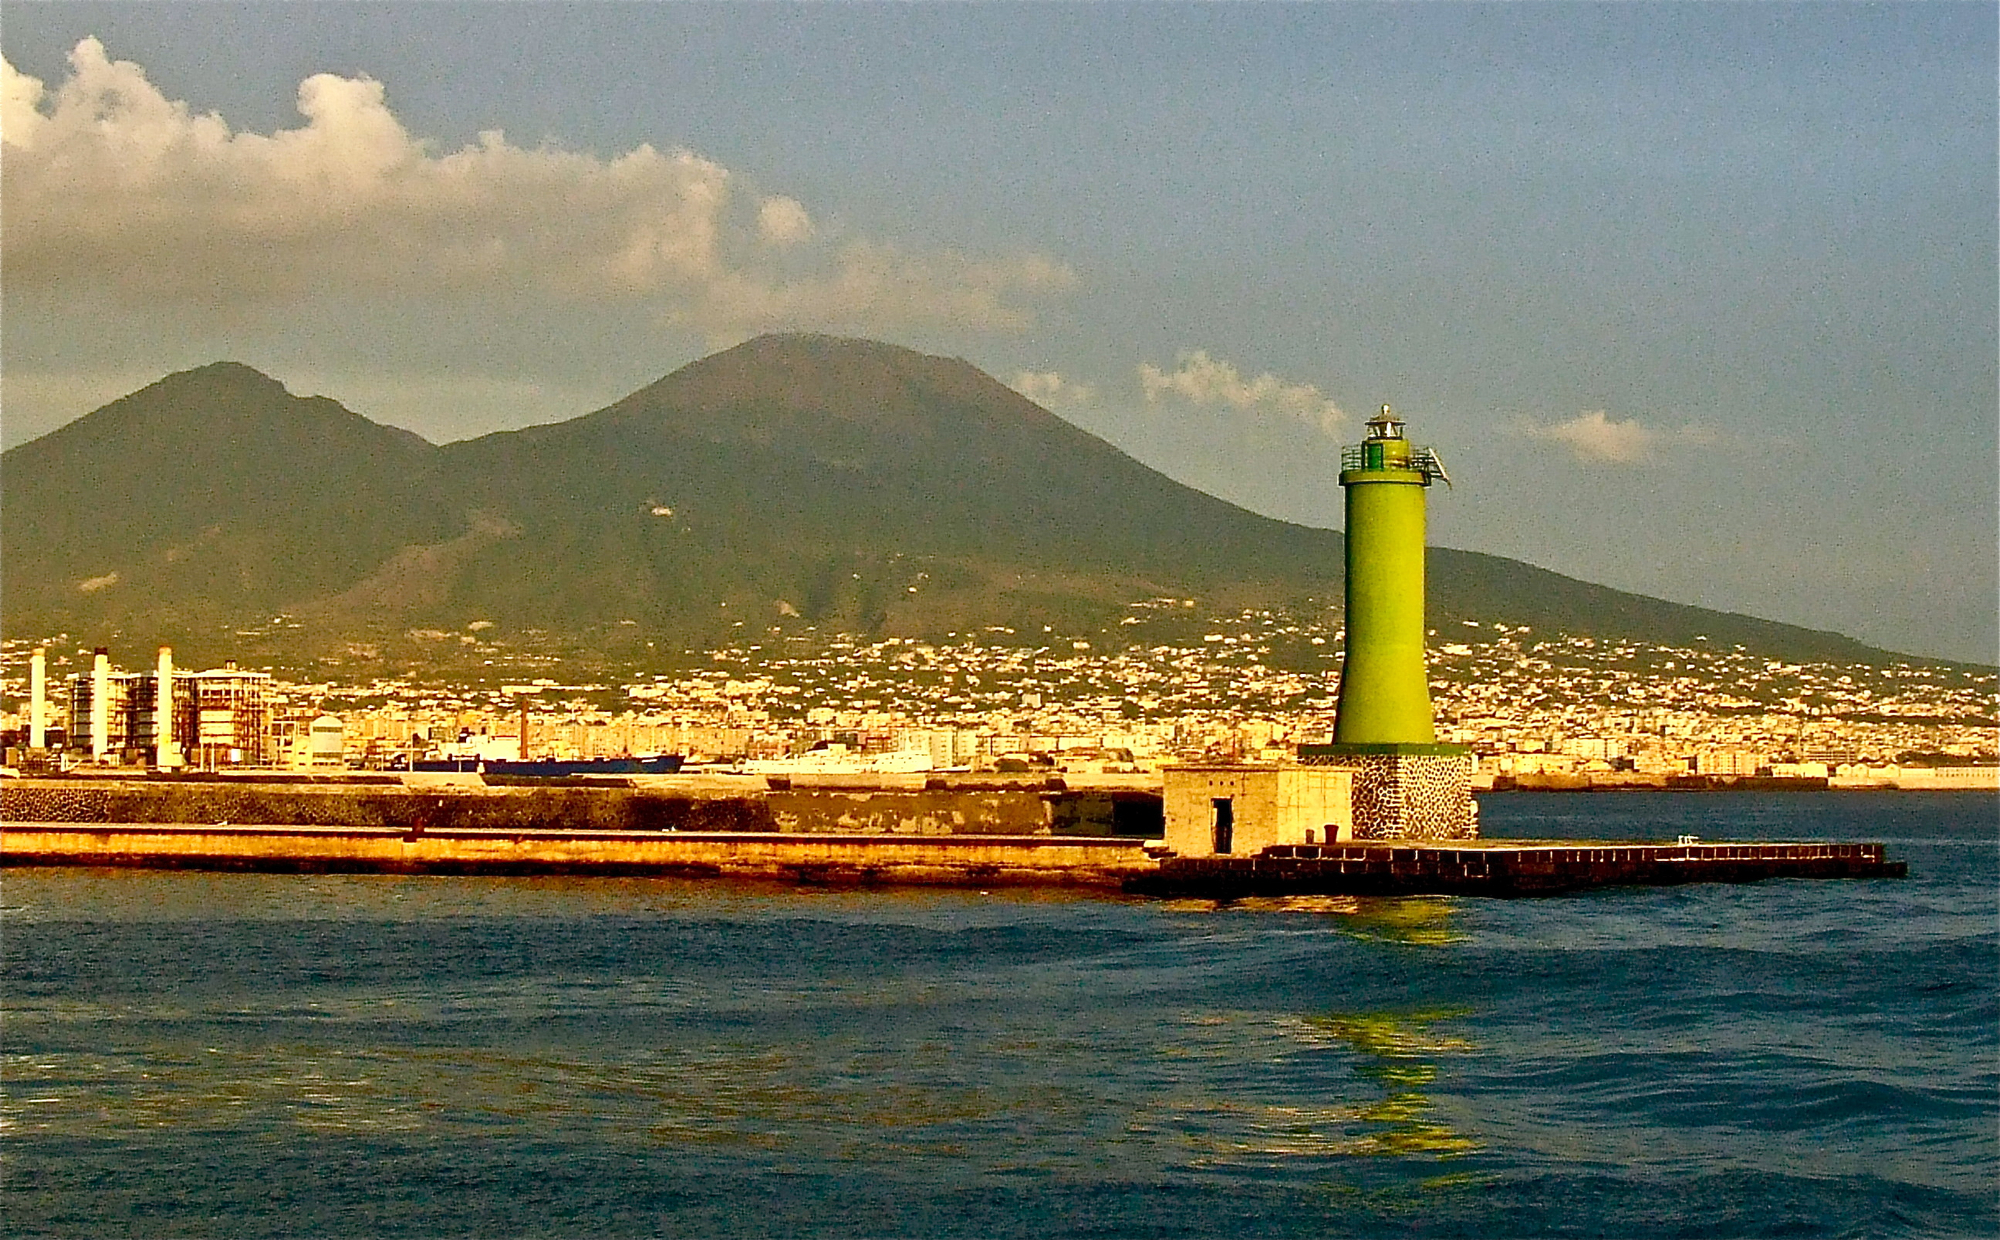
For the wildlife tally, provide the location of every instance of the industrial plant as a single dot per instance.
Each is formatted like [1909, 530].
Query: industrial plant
[170, 720]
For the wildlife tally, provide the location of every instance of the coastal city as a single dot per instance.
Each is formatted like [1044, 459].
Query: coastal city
[1168, 683]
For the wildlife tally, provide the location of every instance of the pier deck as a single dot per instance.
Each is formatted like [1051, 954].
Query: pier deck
[1505, 867]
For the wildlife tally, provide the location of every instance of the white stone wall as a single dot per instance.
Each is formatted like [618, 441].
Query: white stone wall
[1270, 805]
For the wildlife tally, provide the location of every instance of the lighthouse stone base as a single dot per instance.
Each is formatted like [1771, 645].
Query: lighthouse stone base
[1406, 792]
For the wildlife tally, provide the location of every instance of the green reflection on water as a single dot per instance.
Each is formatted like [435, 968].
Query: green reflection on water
[1411, 920]
[1399, 1050]
[1416, 922]
[1398, 1053]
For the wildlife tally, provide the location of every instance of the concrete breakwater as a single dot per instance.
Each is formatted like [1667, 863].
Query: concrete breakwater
[992, 836]
[951, 860]
[700, 803]
[980, 833]
[1521, 868]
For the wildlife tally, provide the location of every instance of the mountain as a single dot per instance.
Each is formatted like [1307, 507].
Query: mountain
[208, 496]
[790, 481]
[859, 485]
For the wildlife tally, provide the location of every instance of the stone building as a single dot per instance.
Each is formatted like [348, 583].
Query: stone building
[1236, 809]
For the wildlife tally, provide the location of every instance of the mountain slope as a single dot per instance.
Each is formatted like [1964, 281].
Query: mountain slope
[208, 495]
[790, 481]
[792, 468]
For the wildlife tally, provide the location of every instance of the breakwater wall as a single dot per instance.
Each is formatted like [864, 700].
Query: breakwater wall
[954, 860]
[1505, 868]
[994, 836]
[667, 805]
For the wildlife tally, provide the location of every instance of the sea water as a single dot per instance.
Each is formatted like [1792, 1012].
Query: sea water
[250, 1055]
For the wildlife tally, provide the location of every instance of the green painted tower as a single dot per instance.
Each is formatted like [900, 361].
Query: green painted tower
[1385, 697]
[1405, 784]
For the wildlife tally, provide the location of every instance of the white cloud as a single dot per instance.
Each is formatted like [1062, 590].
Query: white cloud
[1051, 391]
[783, 222]
[871, 284]
[111, 188]
[1213, 383]
[1596, 436]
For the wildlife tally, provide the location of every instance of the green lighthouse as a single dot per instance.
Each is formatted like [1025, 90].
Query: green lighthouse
[1405, 784]
[1385, 696]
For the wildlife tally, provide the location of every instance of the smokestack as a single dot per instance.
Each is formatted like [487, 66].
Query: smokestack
[166, 754]
[38, 700]
[100, 705]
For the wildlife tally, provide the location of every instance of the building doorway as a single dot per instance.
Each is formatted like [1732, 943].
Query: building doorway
[1224, 823]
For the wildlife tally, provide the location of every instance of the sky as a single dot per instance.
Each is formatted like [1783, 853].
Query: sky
[1693, 300]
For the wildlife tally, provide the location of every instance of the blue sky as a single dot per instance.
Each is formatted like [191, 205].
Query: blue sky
[1695, 300]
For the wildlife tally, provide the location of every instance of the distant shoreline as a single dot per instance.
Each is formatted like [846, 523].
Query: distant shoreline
[1987, 782]
[1973, 779]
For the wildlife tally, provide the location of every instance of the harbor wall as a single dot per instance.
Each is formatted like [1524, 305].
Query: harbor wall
[956, 860]
[384, 828]
[676, 805]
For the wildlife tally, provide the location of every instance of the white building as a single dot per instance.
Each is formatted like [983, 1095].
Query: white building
[1236, 809]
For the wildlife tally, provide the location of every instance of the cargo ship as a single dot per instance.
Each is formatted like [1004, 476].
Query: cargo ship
[553, 768]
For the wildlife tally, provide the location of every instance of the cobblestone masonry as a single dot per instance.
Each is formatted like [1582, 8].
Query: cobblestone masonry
[1409, 796]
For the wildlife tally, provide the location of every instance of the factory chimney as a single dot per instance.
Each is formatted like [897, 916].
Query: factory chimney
[38, 699]
[100, 705]
[166, 754]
